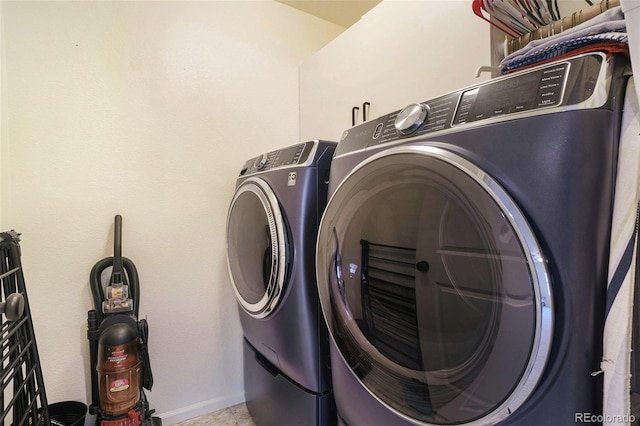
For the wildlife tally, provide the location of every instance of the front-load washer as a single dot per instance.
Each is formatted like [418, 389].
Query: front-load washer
[462, 256]
[272, 226]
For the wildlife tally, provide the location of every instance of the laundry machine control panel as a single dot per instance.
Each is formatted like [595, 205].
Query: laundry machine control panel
[411, 118]
[568, 84]
[294, 155]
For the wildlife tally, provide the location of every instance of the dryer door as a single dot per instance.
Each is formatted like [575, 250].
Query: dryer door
[256, 247]
[434, 288]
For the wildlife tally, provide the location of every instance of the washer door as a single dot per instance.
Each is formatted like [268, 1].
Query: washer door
[434, 288]
[256, 247]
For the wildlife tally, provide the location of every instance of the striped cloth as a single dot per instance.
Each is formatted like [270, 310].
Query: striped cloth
[616, 357]
[554, 50]
[607, 27]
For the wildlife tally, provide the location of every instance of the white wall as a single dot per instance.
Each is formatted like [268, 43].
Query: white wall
[148, 110]
[399, 53]
[402, 51]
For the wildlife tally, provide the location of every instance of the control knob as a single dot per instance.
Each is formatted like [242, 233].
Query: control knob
[260, 162]
[410, 118]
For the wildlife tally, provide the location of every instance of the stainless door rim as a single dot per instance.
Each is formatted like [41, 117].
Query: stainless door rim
[540, 277]
[277, 231]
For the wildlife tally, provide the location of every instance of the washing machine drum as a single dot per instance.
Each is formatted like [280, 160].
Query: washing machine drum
[257, 247]
[434, 287]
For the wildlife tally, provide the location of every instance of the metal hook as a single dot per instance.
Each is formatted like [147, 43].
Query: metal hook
[486, 68]
[365, 110]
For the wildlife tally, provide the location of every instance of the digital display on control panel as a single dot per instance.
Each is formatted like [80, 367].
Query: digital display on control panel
[288, 156]
[529, 91]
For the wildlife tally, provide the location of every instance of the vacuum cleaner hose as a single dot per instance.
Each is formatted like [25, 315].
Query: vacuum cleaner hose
[130, 277]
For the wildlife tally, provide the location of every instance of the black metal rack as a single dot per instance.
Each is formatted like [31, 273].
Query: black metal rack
[389, 301]
[22, 394]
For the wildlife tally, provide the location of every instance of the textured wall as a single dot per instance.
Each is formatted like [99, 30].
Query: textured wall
[400, 52]
[148, 110]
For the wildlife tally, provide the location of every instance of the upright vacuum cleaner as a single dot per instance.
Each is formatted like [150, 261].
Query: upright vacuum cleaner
[120, 368]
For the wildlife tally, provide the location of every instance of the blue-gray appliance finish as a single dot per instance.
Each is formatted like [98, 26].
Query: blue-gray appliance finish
[272, 227]
[462, 256]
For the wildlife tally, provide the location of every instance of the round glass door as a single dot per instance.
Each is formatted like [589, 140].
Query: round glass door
[434, 288]
[256, 247]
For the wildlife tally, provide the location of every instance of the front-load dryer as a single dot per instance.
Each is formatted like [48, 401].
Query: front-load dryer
[462, 256]
[272, 226]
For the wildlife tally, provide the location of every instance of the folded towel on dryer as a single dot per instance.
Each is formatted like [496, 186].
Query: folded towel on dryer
[608, 27]
[608, 43]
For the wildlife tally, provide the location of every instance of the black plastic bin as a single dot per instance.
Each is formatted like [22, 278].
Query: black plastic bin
[67, 413]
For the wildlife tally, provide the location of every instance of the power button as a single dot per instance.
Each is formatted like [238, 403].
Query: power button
[377, 131]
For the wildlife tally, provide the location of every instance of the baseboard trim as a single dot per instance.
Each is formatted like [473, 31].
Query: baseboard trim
[199, 409]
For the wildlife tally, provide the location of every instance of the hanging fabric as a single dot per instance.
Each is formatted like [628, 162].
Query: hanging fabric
[616, 359]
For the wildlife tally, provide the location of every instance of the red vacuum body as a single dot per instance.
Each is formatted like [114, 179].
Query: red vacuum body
[118, 369]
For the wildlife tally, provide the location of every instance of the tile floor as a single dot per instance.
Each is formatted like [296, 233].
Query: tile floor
[237, 415]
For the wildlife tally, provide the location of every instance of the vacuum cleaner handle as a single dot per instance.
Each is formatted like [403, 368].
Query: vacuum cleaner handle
[116, 273]
[119, 266]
